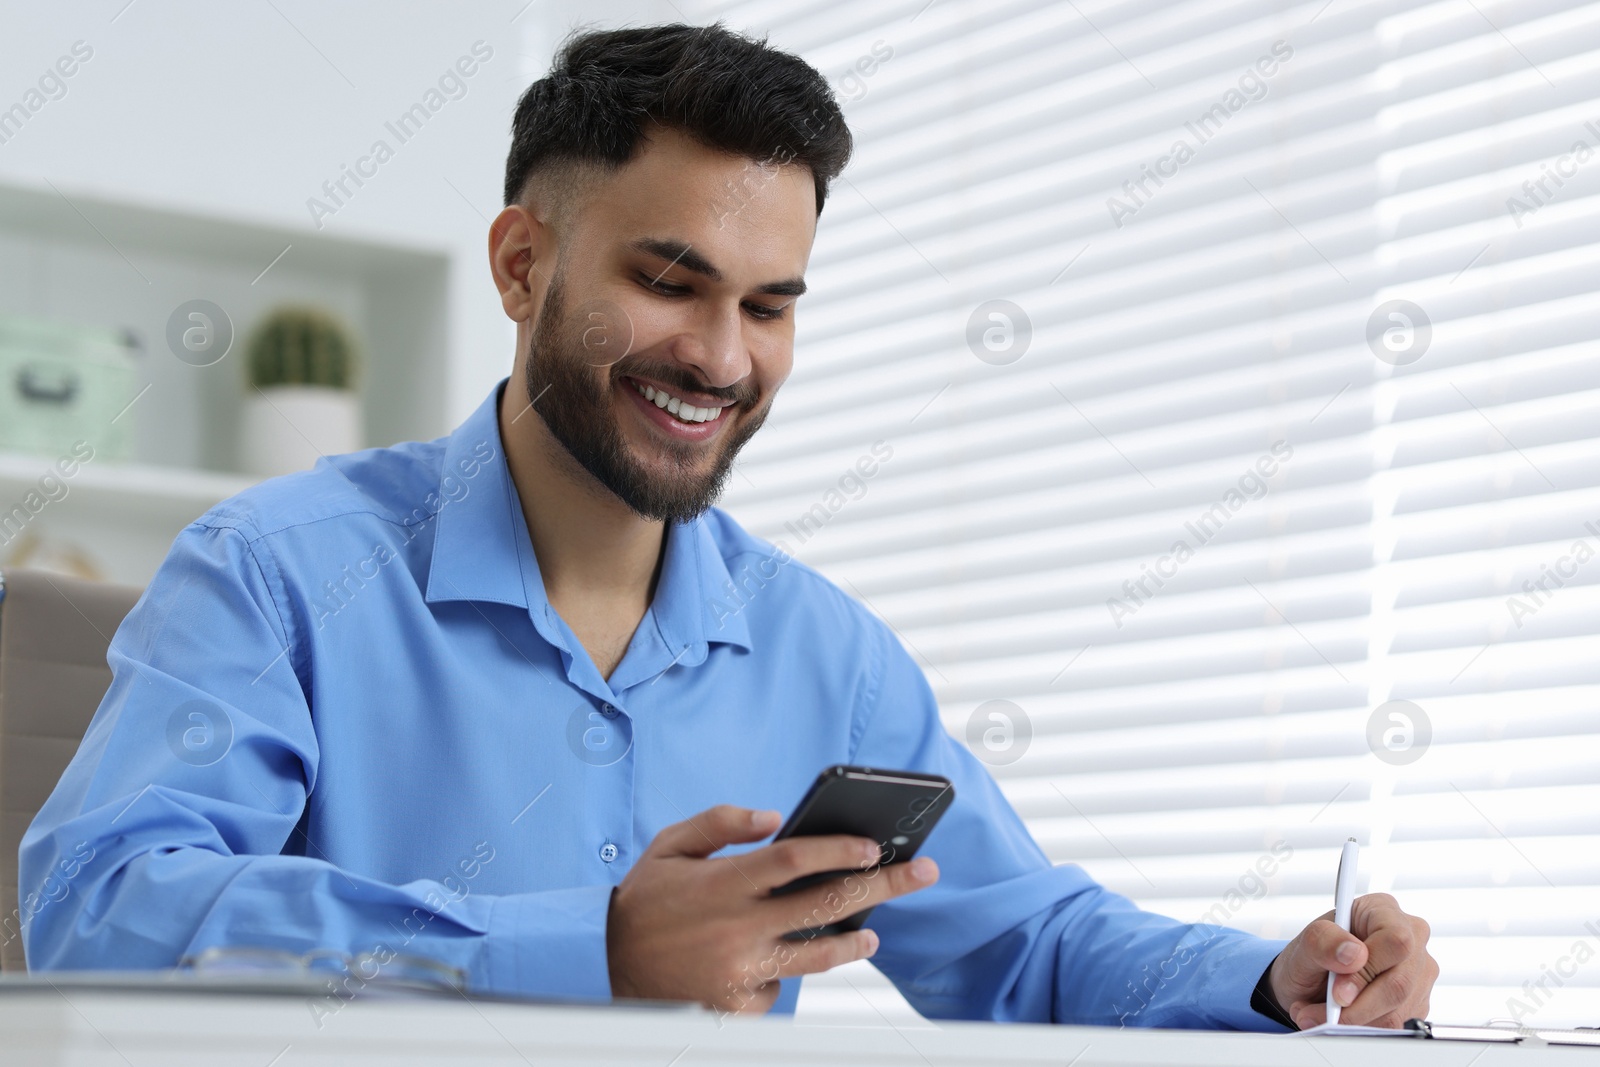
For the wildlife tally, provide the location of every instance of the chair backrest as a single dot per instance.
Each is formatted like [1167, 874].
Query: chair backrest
[53, 636]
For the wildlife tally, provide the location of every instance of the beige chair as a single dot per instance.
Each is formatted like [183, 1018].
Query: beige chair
[53, 637]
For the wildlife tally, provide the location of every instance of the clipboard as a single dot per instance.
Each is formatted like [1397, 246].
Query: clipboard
[1510, 1035]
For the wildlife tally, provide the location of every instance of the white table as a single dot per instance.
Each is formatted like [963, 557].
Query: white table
[95, 1021]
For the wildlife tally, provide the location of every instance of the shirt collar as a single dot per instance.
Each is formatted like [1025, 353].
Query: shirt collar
[482, 551]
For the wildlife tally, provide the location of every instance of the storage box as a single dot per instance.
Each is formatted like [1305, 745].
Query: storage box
[62, 383]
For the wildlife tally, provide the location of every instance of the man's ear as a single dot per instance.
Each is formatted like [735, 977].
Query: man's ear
[521, 257]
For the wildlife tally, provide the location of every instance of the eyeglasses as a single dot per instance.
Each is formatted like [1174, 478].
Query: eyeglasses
[390, 970]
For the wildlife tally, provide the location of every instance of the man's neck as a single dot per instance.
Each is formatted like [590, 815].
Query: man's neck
[599, 560]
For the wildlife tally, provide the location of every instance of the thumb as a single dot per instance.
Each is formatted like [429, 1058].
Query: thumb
[1324, 947]
[701, 835]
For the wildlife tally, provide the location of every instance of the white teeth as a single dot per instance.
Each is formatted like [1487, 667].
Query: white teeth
[685, 412]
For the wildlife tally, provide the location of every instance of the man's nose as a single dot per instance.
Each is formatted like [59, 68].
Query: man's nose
[716, 348]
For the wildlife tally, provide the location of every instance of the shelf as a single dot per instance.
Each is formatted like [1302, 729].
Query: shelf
[119, 518]
[72, 256]
[128, 267]
[165, 494]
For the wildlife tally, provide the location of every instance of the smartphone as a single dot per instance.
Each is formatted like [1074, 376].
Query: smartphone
[897, 809]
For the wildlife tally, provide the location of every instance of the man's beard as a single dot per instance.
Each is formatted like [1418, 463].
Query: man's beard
[576, 407]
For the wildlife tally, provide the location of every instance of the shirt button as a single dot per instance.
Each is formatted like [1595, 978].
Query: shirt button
[608, 852]
[608, 710]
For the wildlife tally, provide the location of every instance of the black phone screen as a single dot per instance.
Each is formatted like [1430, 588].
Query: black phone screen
[897, 809]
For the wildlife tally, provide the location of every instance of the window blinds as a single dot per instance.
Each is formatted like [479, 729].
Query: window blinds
[1228, 381]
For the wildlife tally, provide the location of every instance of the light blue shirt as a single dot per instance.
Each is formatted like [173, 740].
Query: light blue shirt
[345, 716]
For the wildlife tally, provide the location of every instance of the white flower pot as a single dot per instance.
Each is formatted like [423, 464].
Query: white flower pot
[286, 427]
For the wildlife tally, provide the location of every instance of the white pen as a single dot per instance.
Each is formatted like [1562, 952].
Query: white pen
[1344, 894]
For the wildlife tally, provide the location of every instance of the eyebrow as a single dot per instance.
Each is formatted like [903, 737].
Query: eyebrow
[683, 254]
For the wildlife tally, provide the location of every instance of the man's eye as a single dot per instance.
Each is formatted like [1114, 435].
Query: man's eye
[659, 286]
[765, 312]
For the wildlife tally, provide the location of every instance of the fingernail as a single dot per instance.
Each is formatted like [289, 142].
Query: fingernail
[759, 819]
[870, 854]
[1344, 993]
[922, 869]
[1347, 952]
[872, 941]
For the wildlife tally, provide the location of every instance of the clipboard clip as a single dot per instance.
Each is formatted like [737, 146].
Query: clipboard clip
[1438, 1032]
[1508, 1033]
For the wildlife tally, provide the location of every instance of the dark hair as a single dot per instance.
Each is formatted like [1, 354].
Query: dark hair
[728, 91]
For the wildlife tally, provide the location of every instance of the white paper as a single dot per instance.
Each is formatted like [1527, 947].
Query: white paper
[1343, 1030]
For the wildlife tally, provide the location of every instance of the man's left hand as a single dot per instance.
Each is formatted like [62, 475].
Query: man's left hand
[1386, 974]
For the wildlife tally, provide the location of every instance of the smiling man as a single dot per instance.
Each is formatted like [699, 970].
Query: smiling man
[480, 700]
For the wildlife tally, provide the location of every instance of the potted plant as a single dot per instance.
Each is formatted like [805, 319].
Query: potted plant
[301, 401]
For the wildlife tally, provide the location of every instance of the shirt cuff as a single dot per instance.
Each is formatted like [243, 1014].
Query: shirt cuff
[1265, 1001]
[549, 944]
[1229, 972]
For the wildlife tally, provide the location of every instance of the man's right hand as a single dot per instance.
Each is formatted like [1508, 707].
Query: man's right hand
[686, 926]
